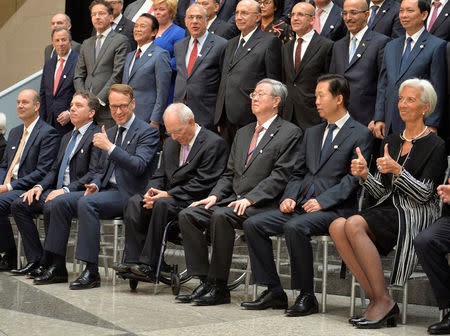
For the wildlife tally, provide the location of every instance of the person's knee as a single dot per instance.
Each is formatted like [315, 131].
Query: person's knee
[337, 227]
[18, 206]
[422, 241]
[354, 226]
[133, 205]
[161, 203]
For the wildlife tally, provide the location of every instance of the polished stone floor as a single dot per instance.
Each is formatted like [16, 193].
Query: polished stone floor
[55, 310]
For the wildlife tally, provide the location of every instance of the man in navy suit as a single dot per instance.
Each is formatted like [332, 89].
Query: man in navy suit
[74, 167]
[418, 54]
[384, 18]
[359, 56]
[29, 154]
[192, 161]
[320, 190]
[438, 21]
[328, 20]
[57, 82]
[148, 71]
[198, 59]
[128, 161]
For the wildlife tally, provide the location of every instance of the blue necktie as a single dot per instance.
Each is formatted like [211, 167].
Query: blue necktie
[325, 147]
[372, 15]
[65, 160]
[352, 50]
[406, 53]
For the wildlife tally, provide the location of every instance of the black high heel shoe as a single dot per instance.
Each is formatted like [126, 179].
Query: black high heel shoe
[355, 320]
[390, 319]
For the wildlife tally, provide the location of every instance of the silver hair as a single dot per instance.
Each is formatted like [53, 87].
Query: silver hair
[427, 93]
[278, 89]
[58, 29]
[200, 6]
[183, 112]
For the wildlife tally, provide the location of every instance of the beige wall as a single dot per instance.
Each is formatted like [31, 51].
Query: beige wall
[24, 33]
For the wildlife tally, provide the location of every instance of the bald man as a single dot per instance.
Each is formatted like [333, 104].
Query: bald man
[60, 20]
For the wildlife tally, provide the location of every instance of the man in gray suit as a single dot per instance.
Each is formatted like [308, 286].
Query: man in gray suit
[260, 162]
[60, 20]
[148, 71]
[101, 59]
[198, 59]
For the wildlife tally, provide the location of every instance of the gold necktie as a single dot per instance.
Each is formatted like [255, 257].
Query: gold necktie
[16, 158]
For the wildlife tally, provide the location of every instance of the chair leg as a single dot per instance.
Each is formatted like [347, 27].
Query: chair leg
[352, 296]
[115, 249]
[324, 276]
[19, 250]
[278, 256]
[248, 273]
[405, 302]
[255, 291]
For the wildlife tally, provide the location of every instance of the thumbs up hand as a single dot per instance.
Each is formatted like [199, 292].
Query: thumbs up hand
[386, 164]
[359, 165]
[101, 140]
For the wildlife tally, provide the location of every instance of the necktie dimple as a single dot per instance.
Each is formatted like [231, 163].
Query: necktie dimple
[298, 53]
[406, 53]
[316, 25]
[185, 153]
[192, 57]
[16, 157]
[98, 45]
[58, 75]
[138, 54]
[239, 48]
[253, 143]
[65, 160]
[373, 13]
[352, 49]
[436, 5]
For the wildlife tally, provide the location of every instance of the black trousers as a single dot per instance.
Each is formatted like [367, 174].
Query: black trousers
[432, 245]
[144, 228]
[297, 227]
[221, 221]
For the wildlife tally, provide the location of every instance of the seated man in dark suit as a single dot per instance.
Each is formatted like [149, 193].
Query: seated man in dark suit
[128, 161]
[328, 20]
[260, 162]
[29, 154]
[215, 25]
[359, 56]
[192, 161]
[432, 245]
[57, 83]
[60, 20]
[73, 168]
[384, 18]
[320, 190]
[438, 21]
[198, 59]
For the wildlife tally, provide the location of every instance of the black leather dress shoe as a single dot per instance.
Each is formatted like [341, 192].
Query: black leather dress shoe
[305, 304]
[36, 272]
[215, 296]
[267, 300]
[87, 279]
[28, 268]
[143, 270]
[122, 267]
[200, 290]
[390, 319]
[441, 328]
[355, 320]
[52, 275]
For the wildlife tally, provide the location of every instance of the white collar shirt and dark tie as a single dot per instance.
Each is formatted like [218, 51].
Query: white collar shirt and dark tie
[306, 39]
[436, 9]
[414, 38]
[260, 133]
[185, 149]
[354, 45]
[200, 42]
[324, 13]
[339, 124]
[143, 49]
[116, 21]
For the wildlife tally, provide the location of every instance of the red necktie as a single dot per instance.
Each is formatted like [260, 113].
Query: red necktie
[138, 54]
[252, 147]
[298, 53]
[316, 25]
[150, 11]
[436, 5]
[58, 75]
[192, 58]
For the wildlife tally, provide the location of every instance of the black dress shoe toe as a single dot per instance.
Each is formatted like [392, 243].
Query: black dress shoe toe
[355, 320]
[200, 290]
[143, 270]
[305, 304]
[215, 296]
[87, 279]
[37, 272]
[441, 328]
[122, 267]
[390, 319]
[28, 268]
[267, 300]
[52, 275]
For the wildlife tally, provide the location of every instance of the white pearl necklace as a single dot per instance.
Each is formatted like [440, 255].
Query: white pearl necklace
[417, 136]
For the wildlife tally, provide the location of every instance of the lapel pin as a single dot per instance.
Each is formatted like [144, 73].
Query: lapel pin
[446, 14]
[82, 151]
[249, 49]
[331, 27]
[364, 44]
[422, 46]
[64, 76]
[358, 55]
[271, 134]
[13, 147]
[260, 151]
[336, 146]
[150, 55]
[120, 29]
[384, 11]
[128, 142]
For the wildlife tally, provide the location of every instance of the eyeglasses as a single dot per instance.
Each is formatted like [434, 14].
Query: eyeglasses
[244, 13]
[123, 107]
[264, 3]
[257, 95]
[352, 12]
[299, 15]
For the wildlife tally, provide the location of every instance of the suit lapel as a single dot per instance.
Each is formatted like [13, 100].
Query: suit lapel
[70, 63]
[309, 53]
[209, 43]
[290, 52]
[317, 145]
[418, 47]
[145, 57]
[398, 51]
[362, 47]
[198, 143]
[185, 46]
[381, 12]
[443, 15]
[105, 45]
[84, 139]
[330, 23]
[30, 140]
[131, 133]
[54, 63]
[251, 43]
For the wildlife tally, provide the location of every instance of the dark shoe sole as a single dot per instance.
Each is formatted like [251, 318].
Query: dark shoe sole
[285, 306]
[309, 312]
[49, 282]
[204, 303]
[184, 300]
[91, 285]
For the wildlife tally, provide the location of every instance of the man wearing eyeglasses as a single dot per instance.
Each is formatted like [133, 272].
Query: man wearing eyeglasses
[304, 60]
[260, 162]
[127, 162]
[359, 56]
[249, 57]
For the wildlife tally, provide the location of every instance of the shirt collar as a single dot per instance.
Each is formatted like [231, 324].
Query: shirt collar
[200, 39]
[359, 35]
[117, 19]
[128, 123]
[307, 37]
[145, 47]
[267, 124]
[84, 128]
[416, 36]
[197, 130]
[247, 37]
[64, 57]
[327, 8]
[30, 128]
[210, 22]
[372, 4]
[340, 123]
[106, 32]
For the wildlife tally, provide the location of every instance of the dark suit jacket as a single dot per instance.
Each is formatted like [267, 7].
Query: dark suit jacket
[426, 61]
[50, 51]
[259, 58]
[441, 27]
[225, 11]
[135, 161]
[82, 164]
[131, 10]
[334, 28]
[150, 79]
[362, 72]
[263, 179]
[333, 183]
[300, 107]
[386, 21]
[53, 105]
[202, 85]
[97, 75]
[37, 156]
[223, 29]
[194, 179]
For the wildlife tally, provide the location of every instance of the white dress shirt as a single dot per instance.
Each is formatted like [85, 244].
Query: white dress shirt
[339, 123]
[324, 15]
[201, 41]
[181, 159]
[305, 43]
[414, 37]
